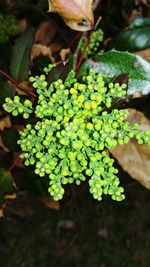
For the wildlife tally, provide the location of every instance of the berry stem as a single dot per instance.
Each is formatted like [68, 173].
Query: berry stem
[14, 82]
[83, 52]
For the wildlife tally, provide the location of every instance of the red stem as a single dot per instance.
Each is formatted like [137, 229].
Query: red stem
[17, 85]
[13, 165]
[83, 52]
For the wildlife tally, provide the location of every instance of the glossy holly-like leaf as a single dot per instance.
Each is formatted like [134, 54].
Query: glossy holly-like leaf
[77, 14]
[20, 60]
[135, 37]
[115, 63]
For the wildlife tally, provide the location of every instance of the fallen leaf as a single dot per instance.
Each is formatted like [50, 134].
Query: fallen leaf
[7, 198]
[1, 213]
[7, 186]
[77, 14]
[22, 24]
[4, 123]
[144, 53]
[45, 33]
[39, 49]
[138, 117]
[135, 158]
[64, 53]
[55, 48]
[10, 196]
[50, 203]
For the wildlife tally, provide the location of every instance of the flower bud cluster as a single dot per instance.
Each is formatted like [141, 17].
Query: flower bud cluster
[16, 107]
[8, 27]
[75, 129]
[94, 43]
[103, 177]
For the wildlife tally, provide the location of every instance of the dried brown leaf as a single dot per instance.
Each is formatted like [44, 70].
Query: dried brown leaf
[4, 123]
[45, 33]
[64, 53]
[134, 158]
[22, 24]
[1, 213]
[7, 198]
[77, 14]
[144, 53]
[50, 203]
[39, 49]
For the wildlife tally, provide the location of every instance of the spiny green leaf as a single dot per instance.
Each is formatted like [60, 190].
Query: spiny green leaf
[115, 63]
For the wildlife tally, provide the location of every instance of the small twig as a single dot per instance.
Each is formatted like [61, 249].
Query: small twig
[21, 88]
[97, 22]
[83, 52]
[85, 46]
[75, 58]
[13, 165]
[96, 4]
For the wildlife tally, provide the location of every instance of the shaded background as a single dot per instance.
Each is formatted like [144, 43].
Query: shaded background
[82, 233]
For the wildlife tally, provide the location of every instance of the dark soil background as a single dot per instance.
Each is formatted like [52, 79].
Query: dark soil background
[83, 233]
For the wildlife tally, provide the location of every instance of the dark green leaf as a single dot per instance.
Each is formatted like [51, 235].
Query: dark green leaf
[115, 63]
[135, 37]
[6, 90]
[38, 64]
[20, 61]
[6, 184]
[59, 72]
[5, 54]
[10, 137]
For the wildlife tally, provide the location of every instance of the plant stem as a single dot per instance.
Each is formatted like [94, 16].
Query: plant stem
[13, 165]
[17, 85]
[83, 52]
[85, 46]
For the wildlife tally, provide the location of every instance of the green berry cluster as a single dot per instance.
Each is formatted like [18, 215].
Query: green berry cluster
[103, 177]
[74, 131]
[8, 27]
[16, 107]
[49, 68]
[95, 41]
